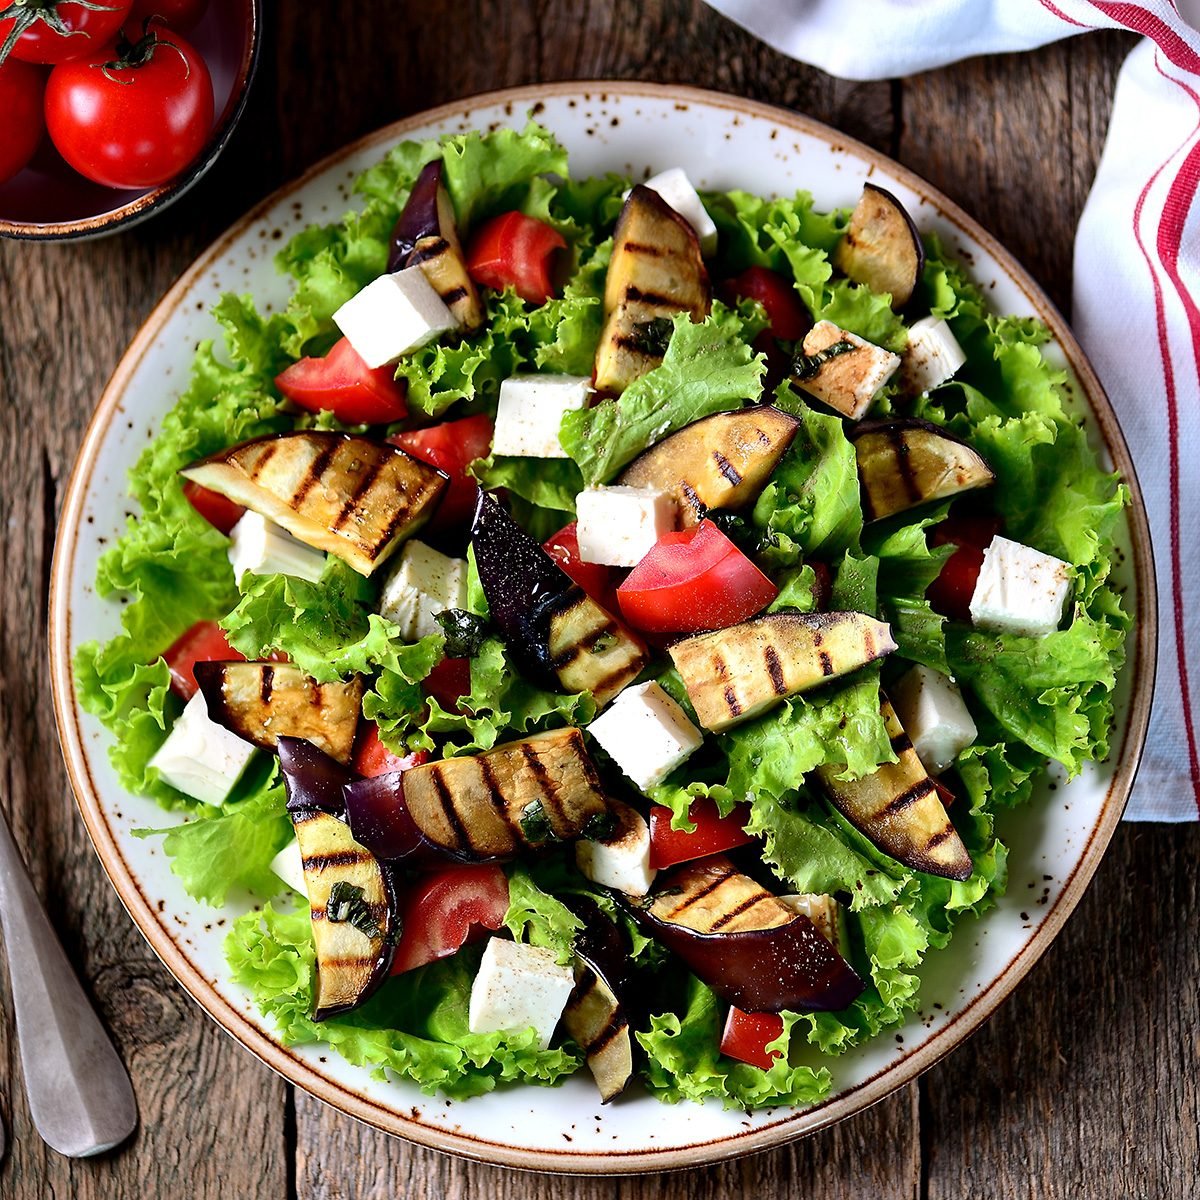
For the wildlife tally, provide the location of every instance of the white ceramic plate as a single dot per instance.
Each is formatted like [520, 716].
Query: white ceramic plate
[1055, 845]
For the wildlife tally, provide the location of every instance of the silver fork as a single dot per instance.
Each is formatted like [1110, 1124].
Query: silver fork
[79, 1092]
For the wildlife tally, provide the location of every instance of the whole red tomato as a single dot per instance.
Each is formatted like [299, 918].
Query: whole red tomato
[134, 115]
[43, 31]
[21, 91]
[174, 14]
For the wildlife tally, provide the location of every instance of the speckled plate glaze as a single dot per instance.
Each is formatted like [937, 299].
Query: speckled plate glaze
[1055, 845]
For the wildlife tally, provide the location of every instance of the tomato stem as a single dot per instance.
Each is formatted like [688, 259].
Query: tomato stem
[139, 53]
[24, 14]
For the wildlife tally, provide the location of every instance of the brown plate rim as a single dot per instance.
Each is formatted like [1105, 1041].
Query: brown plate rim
[1141, 662]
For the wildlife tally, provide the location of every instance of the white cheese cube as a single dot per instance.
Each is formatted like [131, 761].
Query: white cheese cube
[646, 734]
[622, 860]
[847, 381]
[934, 716]
[821, 910]
[1020, 590]
[531, 410]
[519, 986]
[618, 525]
[263, 548]
[932, 356]
[393, 316]
[201, 758]
[288, 864]
[676, 189]
[423, 584]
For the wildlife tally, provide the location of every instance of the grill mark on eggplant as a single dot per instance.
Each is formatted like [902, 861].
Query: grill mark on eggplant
[901, 742]
[462, 839]
[340, 858]
[630, 671]
[692, 897]
[315, 470]
[634, 345]
[727, 469]
[635, 295]
[942, 835]
[545, 783]
[361, 488]
[735, 912]
[269, 450]
[775, 670]
[612, 1030]
[868, 637]
[453, 295]
[904, 466]
[651, 251]
[427, 248]
[732, 703]
[826, 662]
[399, 517]
[266, 684]
[496, 797]
[896, 804]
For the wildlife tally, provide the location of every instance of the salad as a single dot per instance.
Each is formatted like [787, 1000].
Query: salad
[594, 627]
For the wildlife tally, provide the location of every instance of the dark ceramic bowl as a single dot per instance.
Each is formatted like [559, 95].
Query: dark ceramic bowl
[50, 202]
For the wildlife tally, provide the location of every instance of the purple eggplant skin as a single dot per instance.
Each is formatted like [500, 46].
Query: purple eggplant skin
[419, 218]
[311, 778]
[379, 820]
[762, 970]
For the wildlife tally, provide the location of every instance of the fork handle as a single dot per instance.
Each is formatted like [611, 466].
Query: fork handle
[79, 1092]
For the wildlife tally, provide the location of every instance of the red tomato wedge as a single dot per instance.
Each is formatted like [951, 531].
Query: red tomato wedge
[452, 447]
[444, 911]
[789, 318]
[219, 511]
[204, 642]
[747, 1036]
[341, 383]
[950, 593]
[516, 251]
[595, 578]
[713, 833]
[693, 580]
[373, 758]
[448, 681]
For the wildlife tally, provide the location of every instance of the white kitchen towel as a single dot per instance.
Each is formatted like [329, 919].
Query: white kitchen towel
[1137, 273]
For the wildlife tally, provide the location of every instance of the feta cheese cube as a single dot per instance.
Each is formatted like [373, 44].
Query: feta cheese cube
[646, 734]
[289, 866]
[201, 758]
[422, 584]
[622, 860]
[931, 709]
[393, 316]
[932, 356]
[264, 548]
[619, 525]
[676, 189]
[517, 987]
[822, 911]
[848, 381]
[531, 410]
[1020, 590]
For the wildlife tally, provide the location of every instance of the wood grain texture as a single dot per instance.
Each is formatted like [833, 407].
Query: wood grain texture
[1084, 1084]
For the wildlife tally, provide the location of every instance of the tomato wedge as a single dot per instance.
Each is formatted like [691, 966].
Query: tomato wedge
[219, 511]
[950, 593]
[693, 580]
[204, 642]
[448, 682]
[789, 319]
[595, 578]
[747, 1036]
[341, 383]
[452, 447]
[446, 910]
[373, 758]
[516, 251]
[713, 833]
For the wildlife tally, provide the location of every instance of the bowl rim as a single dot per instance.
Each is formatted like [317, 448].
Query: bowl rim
[140, 208]
[1141, 663]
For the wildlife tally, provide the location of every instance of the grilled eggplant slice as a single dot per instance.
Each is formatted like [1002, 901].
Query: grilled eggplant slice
[347, 495]
[352, 903]
[557, 633]
[737, 673]
[656, 271]
[902, 464]
[723, 461]
[597, 1015]
[261, 701]
[426, 235]
[881, 246]
[521, 794]
[898, 809]
[748, 946]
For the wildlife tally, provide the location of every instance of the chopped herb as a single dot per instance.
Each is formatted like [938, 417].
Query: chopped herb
[535, 825]
[346, 903]
[805, 366]
[653, 337]
[464, 632]
[600, 826]
[604, 643]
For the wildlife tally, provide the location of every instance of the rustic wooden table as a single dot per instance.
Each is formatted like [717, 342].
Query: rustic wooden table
[1083, 1085]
